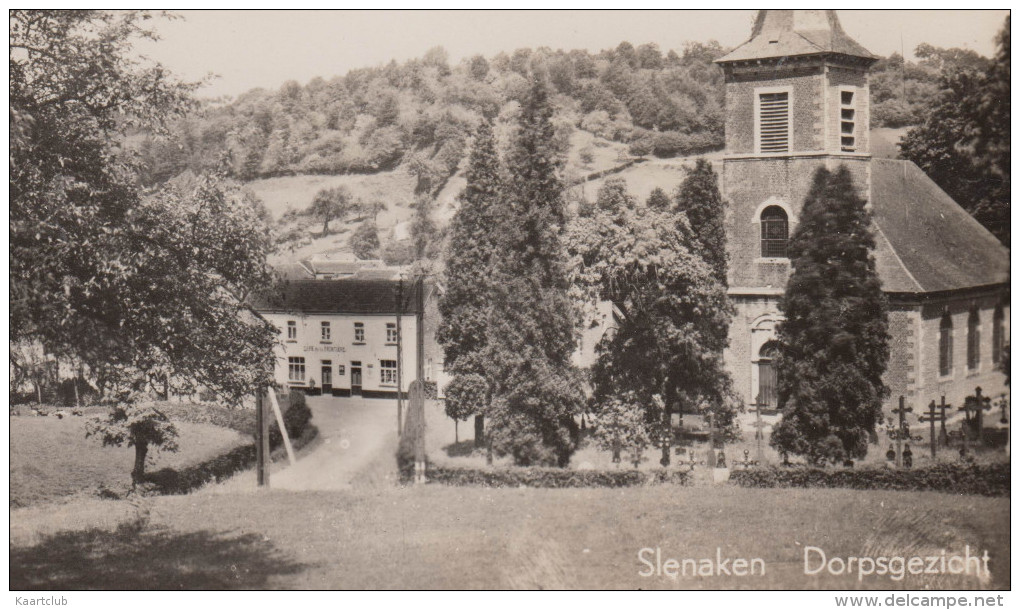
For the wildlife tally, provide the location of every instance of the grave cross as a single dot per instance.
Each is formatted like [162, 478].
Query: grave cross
[1003, 404]
[691, 462]
[759, 433]
[980, 405]
[747, 462]
[899, 432]
[931, 417]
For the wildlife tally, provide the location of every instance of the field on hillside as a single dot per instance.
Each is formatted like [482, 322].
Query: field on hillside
[437, 537]
[51, 459]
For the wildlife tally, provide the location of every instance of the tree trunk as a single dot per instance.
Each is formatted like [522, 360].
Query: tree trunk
[38, 391]
[479, 431]
[456, 432]
[138, 474]
[77, 399]
[325, 228]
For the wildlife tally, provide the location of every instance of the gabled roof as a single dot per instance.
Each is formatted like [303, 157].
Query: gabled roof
[786, 33]
[348, 296]
[926, 242]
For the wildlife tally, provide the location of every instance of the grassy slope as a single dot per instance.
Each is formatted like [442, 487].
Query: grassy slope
[51, 458]
[442, 537]
[396, 189]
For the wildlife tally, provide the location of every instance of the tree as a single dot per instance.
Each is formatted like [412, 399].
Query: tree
[964, 142]
[365, 240]
[466, 395]
[834, 340]
[658, 200]
[698, 198]
[535, 390]
[470, 265]
[612, 196]
[147, 290]
[138, 426]
[331, 204]
[675, 313]
[424, 231]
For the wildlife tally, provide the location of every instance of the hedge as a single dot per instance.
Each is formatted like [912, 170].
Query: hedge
[549, 477]
[971, 479]
[169, 481]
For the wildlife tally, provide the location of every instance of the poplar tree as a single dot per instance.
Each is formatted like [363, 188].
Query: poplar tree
[698, 197]
[466, 304]
[834, 341]
[536, 392]
[699, 200]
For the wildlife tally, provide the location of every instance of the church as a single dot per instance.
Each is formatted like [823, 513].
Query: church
[797, 99]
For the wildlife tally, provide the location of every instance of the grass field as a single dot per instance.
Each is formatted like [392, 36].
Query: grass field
[51, 459]
[444, 537]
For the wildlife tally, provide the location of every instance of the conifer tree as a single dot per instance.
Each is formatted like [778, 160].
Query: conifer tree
[531, 332]
[698, 197]
[835, 337]
[465, 306]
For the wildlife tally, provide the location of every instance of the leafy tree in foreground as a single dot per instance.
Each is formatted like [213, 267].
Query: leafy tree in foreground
[667, 346]
[145, 291]
[536, 392]
[331, 204]
[470, 264]
[835, 336]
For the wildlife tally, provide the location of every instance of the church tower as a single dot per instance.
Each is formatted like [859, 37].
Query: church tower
[796, 99]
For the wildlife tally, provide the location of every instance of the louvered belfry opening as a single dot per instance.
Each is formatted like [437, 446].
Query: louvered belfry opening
[774, 122]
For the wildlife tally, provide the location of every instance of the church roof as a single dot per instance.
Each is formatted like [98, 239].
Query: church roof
[926, 242]
[786, 33]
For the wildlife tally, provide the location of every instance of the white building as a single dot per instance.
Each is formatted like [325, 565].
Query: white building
[340, 337]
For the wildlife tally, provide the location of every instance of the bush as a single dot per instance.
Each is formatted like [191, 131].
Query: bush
[973, 479]
[550, 477]
[295, 418]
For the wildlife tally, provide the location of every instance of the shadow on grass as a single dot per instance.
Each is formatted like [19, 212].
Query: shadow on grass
[150, 559]
[460, 449]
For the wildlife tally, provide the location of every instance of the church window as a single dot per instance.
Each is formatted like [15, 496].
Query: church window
[774, 232]
[847, 121]
[774, 122]
[973, 340]
[946, 345]
[998, 335]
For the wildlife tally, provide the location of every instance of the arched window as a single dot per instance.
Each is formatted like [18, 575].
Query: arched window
[946, 345]
[973, 340]
[774, 232]
[998, 335]
[768, 397]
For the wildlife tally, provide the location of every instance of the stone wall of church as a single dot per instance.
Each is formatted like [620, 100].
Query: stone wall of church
[753, 325]
[806, 88]
[855, 79]
[749, 185]
[901, 373]
[961, 381]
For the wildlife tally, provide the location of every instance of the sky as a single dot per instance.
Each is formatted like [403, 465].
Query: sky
[249, 49]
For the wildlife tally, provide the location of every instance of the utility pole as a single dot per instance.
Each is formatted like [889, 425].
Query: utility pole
[262, 438]
[400, 355]
[420, 330]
